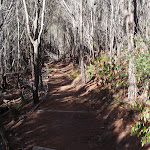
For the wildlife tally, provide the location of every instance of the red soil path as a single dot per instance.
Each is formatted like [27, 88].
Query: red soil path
[101, 127]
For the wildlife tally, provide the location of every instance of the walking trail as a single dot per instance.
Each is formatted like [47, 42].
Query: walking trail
[74, 117]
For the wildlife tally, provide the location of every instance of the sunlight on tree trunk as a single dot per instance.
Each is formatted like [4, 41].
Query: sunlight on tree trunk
[132, 89]
[35, 41]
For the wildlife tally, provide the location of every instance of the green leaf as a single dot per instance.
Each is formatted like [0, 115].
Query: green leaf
[123, 75]
[148, 139]
[148, 102]
[138, 107]
[144, 129]
[132, 131]
[111, 75]
[139, 132]
[147, 115]
[147, 134]
[111, 87]
[137, 124]
[143, 142]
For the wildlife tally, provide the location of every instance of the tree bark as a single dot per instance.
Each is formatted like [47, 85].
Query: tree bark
[111, 30]
[132, 89]
[36, 74]
[81, 45]
[35, 42]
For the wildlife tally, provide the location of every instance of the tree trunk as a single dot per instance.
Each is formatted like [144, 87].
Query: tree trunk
[82, 68]
[4, 83]
[35, 42]
[36, 73]
[81, 45]
[111, 30]
[132, 89]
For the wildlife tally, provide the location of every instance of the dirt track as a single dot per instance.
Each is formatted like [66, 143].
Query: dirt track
[98, 128]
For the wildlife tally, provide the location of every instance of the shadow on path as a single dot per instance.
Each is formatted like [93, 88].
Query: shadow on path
[103, 127]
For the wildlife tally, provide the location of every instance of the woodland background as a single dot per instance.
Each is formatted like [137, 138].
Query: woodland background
[105, 39]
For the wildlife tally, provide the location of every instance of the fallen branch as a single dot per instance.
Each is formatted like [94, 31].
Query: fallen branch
[41, 148]
[61, 111]
[13, 124]
[58, 75]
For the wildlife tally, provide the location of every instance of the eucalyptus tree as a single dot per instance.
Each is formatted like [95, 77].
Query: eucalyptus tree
[74, 10]
[7, 38]
[76, 27]
[132, 90]
[35, 40]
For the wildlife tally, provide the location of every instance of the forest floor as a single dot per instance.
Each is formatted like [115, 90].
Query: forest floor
[77, 118]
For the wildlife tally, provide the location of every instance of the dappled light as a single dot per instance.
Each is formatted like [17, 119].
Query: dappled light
[75, 75]
[76, 118]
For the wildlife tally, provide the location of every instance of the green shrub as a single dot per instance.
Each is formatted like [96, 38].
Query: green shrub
[142, 128]
[107, 72]
[75, 74]
[142, 63]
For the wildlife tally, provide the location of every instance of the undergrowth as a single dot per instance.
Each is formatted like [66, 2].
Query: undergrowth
[109, 75]
[75, 73]
[115, 77]
[142, 59]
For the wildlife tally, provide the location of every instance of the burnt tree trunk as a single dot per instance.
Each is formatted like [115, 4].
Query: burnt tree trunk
[4, 83]
[36, 74]
[35, 42]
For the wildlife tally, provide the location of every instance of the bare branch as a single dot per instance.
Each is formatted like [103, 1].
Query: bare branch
[27, 21]
[42, 20]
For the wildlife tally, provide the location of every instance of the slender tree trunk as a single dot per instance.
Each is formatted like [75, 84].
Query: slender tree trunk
[32, 61]
[132, 89]
[92, 33]
[81, 45]
[3, 62]
[106, 44]
[111, 30]
[18, 61]
[82, 69]
[35, 42]
[36, 73]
